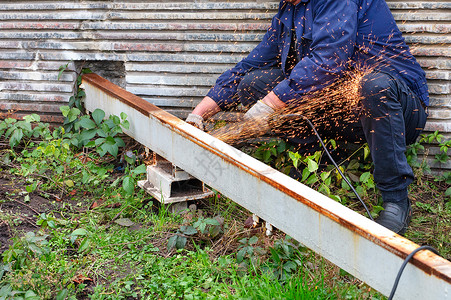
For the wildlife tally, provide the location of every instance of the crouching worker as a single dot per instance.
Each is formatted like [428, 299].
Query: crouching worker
[312, 43]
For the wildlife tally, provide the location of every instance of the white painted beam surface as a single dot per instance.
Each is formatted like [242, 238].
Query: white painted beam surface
[361, 247]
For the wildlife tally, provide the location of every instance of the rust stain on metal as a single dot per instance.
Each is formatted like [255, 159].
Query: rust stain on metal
[428, 262]
[124, 96]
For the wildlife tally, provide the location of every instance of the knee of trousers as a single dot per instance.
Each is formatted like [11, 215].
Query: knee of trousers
[245, 91]
[377, 91]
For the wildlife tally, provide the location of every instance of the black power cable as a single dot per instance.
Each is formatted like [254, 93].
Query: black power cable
[409, 257]
[291, 116]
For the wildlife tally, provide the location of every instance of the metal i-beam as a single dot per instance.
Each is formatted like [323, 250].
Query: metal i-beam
[356, 244]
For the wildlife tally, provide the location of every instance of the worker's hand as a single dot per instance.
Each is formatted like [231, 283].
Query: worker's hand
[257, 116]
[260, 110]
[196, 121]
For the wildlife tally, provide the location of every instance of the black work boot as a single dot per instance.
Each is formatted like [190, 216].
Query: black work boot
[395, 217]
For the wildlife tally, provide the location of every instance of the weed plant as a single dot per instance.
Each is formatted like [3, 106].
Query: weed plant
[93, 236]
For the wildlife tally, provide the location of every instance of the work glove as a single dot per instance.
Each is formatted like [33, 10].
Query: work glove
[259, 110]
[259, 114]
[196, 121]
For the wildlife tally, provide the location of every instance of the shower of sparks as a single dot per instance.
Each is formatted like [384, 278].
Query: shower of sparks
[330, 106]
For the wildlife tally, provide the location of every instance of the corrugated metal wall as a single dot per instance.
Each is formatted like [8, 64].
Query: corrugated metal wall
[172, 52]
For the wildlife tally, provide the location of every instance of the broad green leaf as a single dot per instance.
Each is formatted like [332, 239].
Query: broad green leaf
[79, 231]
[333, 143]
[180, 242]
[65, 110]
[328, 181]
[128, 184]
[188, 230]
[87, 135]
[115, 119]
[171, 242]
[113, 150]
[353, 164]
[123, 116]
[141, 169]
[16, 138]
[69, 183]
[240, 255]
[305, 174]
[312, 179]
[312, 165]
[212, 222]
[335, 197]
[253, 240]
[119, 142]
[110, 140]
[365, 177]
[101, 133]
[98, 116]
[99, 141]
[73, 114]
[87, 123]
[214, 231]
[324, 175]
[62, 295]
[84, 245]
[295, 157]
[32, 118]
[274, 255]
[266, 156]
[366, 152]
[448, 192]
[126, 222]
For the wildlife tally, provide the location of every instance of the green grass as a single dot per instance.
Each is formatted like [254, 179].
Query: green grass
[81, 253]
[78, 233]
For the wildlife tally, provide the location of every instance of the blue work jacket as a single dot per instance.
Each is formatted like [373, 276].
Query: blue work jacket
[332, 37]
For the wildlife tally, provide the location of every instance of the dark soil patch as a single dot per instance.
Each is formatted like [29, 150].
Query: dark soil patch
[17, 216]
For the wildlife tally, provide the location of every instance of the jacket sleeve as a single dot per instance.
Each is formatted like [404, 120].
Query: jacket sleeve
[266, 54]
[333, 36]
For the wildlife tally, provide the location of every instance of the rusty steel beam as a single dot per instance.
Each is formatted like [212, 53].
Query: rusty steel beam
[356, 244]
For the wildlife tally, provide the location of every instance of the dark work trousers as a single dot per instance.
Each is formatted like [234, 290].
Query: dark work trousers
[390, 117]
